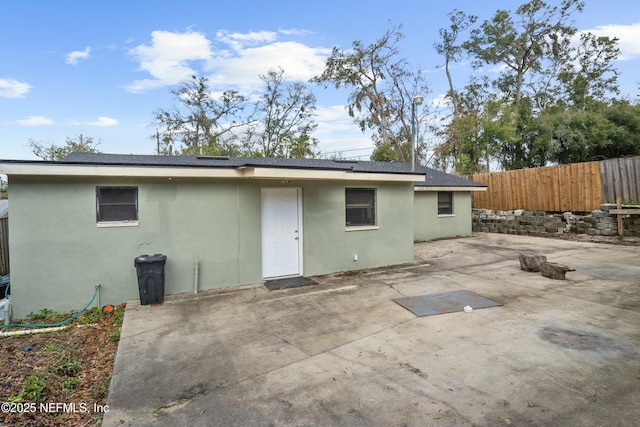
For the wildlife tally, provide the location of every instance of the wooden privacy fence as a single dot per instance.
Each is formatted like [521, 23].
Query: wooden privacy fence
[620, 180]
[577, 187]
[4, 246]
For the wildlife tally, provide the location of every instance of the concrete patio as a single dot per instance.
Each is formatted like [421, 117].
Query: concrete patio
[343, 353]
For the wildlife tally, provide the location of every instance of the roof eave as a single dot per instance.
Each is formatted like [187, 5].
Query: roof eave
[29, 168]
[449, 188]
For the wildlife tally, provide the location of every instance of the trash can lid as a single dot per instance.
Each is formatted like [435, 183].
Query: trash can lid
[150, 258]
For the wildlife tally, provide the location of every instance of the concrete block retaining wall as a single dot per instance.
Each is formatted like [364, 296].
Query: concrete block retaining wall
[540, 223]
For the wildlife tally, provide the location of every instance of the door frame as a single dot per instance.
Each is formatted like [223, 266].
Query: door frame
[300, 231]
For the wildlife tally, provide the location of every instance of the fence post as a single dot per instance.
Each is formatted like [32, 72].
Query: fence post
[620, 224]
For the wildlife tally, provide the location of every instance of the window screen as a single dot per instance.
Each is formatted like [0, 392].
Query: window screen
[360, 206]
[117, 203]
[445, 203]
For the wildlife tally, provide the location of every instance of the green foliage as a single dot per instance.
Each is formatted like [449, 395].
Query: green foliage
[118, 314]
[382, 88]
[451, 50]
[114, 335]
[35, 390]
[548, 105]
[52, 348]
[101, 390]
[591, 74]
[43, 314]
[51, 151]
[68, 384]
[600, 131]
[62, 374]
[302, 147]
[90, 316]
[66, 366]
[199, 124]
[384, 153]
[4, 189]
[283, 118]
[280, 123]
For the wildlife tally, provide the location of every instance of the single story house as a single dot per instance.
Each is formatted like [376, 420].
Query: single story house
[83, 220]
[442, 205]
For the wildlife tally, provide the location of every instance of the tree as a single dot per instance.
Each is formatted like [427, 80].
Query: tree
[382, 90]
[282, 121]
[550, 101]
[590, 74]
[450, 50]
[51, 151]
[483, 124]
[522, 43]
[582, 124]
[200, 124]
[302, 147]
[601, 131]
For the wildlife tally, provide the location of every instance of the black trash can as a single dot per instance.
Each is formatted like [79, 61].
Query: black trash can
[150, 269]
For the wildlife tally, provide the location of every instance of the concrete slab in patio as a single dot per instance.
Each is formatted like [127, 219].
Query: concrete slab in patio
[343, 353]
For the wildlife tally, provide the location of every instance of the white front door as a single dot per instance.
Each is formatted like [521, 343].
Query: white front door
[281, 233]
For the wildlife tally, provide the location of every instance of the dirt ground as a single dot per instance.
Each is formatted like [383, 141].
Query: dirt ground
[610, 240]
[62, 377]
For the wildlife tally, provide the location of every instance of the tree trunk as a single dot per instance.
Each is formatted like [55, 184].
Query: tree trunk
[554, 270]
[531, 262]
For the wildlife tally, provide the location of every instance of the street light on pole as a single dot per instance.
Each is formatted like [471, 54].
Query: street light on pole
[417, 100]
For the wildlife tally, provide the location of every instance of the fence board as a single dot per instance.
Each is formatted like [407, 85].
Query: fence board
[577, 187]
[4, 246]
[620, 179]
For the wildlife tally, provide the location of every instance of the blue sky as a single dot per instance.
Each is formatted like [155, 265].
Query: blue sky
[101, 68]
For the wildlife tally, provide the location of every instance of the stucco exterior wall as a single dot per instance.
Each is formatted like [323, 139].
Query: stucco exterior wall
[328, 247]
[58, 254]
[429, 225]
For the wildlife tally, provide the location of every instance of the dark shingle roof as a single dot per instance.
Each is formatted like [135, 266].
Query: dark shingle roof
[237, 162]
[433, 178]
[436, 178]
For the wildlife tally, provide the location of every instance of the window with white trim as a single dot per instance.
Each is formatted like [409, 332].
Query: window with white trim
[445, 203]
[360, 207]
[116, 204]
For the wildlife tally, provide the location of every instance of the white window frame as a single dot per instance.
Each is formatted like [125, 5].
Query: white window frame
[373, 206]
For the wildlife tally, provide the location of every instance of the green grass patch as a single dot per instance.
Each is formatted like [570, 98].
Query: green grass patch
[90, 316]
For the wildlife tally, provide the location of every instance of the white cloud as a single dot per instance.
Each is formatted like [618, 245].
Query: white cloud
[628, 35]
[36, 121]
[13, 89]
[233, 60]
[103, 122]
[333, 118]
[167, 58]
[73, 57]
[337, 133]
[239, 41]
[294, 32]
[440, 101]
[300, 62]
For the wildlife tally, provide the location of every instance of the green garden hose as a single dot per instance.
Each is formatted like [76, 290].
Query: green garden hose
[60, 323]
